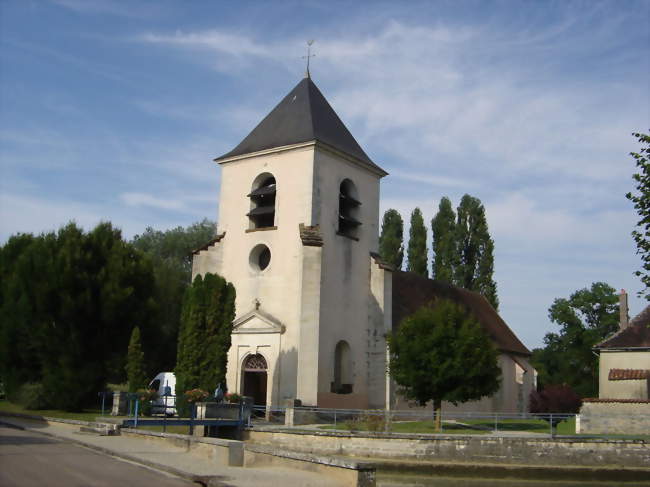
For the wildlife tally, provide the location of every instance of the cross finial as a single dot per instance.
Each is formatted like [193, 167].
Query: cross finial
[257, 303]
[309, 55]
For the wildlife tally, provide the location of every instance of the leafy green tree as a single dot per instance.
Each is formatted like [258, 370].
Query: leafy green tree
[391, 245]
[68, 297]
[417, 248]
[135, 371]
[171, 253]
[441, 353]
[443, 229]
[475, 250]
[204, 337]
[641, 202]
[586, 318]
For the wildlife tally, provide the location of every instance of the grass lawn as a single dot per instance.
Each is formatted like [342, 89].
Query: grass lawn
[85, 415]
[472, 427]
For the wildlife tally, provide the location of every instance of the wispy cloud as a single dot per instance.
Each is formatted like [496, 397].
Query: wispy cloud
[143, 199]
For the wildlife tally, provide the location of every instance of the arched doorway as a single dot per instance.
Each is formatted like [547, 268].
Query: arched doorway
[255, 372]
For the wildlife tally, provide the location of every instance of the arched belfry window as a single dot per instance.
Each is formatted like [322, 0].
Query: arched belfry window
[348, 209]
[262, 195]
[343, 380]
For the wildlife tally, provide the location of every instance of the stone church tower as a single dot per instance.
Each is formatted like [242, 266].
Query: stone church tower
[298, 232]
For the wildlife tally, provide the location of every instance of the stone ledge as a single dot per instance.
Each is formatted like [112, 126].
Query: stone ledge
[332, 461]
[433, 437]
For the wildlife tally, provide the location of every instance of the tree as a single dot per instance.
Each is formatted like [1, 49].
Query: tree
[586, 318]
[554, 399]
[641, 202]
[204, 337]
[135, 371]
[391, 246]
[171, 253]
[443, 229]
[475, 250]
[417, 248]
[67, 298]
[441, 353]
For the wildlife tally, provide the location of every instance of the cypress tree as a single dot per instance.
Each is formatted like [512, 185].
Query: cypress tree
[443, 228]
[135, 373]
[204, 336]
[391, 245]
[417, 248]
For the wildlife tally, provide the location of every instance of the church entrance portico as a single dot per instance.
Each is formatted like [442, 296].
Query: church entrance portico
[254, 378]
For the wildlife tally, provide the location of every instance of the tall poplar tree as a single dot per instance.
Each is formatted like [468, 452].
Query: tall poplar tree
[443, 229]
[475, 250]
[417, 247]
[391, 245]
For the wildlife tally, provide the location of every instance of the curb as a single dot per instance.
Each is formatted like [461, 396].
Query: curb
[204, 480]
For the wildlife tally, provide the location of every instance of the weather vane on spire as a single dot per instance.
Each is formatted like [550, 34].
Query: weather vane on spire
[309, 55]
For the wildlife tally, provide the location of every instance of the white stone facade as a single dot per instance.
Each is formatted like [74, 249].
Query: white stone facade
[310, 297]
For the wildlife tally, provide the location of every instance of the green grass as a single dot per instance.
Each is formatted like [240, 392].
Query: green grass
[473, 427]
[180, 430]
[85, 415]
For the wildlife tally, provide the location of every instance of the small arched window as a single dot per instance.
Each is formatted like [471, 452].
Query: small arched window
[343, 380]
[262, 214]
[348, 209]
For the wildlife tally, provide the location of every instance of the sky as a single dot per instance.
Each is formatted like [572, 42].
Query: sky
[114, 110]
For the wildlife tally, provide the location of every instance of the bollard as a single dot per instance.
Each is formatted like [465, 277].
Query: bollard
[137, 402]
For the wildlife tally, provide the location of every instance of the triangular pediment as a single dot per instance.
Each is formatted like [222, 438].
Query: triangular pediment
[256, 321]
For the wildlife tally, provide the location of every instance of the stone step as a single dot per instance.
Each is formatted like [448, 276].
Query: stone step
[100, 429]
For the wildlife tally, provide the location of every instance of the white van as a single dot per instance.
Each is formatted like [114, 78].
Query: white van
[165, 385]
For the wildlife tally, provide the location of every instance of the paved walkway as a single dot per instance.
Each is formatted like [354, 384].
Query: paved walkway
[175, 460]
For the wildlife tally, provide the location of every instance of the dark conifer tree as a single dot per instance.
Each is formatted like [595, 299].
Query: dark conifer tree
[135, 371]
[204, 336]
[417, 248]
[391, 245]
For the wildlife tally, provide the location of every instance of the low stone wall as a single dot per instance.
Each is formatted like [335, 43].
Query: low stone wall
[222, 451]
[469, 449]
[343, 471]
[614, 417]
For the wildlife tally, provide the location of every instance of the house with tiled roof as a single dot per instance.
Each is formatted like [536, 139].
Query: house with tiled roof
[625, 358]
[623, 402]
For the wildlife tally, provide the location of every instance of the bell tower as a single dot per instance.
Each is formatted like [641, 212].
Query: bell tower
[298, 222]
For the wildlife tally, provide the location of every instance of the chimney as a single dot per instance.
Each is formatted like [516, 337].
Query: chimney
[622, 305]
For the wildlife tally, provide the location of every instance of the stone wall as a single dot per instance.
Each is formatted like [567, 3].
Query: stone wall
[614, 416]
[463, 449]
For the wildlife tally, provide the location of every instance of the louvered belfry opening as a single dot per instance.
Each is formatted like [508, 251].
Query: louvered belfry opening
[262, 214]
[348, 209]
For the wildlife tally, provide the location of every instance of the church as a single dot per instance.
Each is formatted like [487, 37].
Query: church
[297, 235]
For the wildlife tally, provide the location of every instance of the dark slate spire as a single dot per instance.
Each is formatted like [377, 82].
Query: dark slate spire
[304, 115]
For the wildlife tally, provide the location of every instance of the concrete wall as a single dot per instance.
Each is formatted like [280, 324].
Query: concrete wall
[620, 418]
[623, 389]
[456, 448]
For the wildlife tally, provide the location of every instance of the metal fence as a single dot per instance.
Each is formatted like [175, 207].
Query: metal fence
[414, 420]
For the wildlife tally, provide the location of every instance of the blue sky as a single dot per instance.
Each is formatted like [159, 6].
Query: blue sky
[114, 111]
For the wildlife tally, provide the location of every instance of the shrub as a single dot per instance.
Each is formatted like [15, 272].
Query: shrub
[233, 397]
[554, 399]
[32, 396]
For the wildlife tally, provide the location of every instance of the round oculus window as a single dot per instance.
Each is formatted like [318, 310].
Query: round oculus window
[260, 257]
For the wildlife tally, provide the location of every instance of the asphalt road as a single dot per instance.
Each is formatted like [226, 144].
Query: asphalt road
[29, 459]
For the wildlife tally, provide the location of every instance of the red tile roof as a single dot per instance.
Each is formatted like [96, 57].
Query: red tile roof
[411, 292]
[636, 335]
[628, 374]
